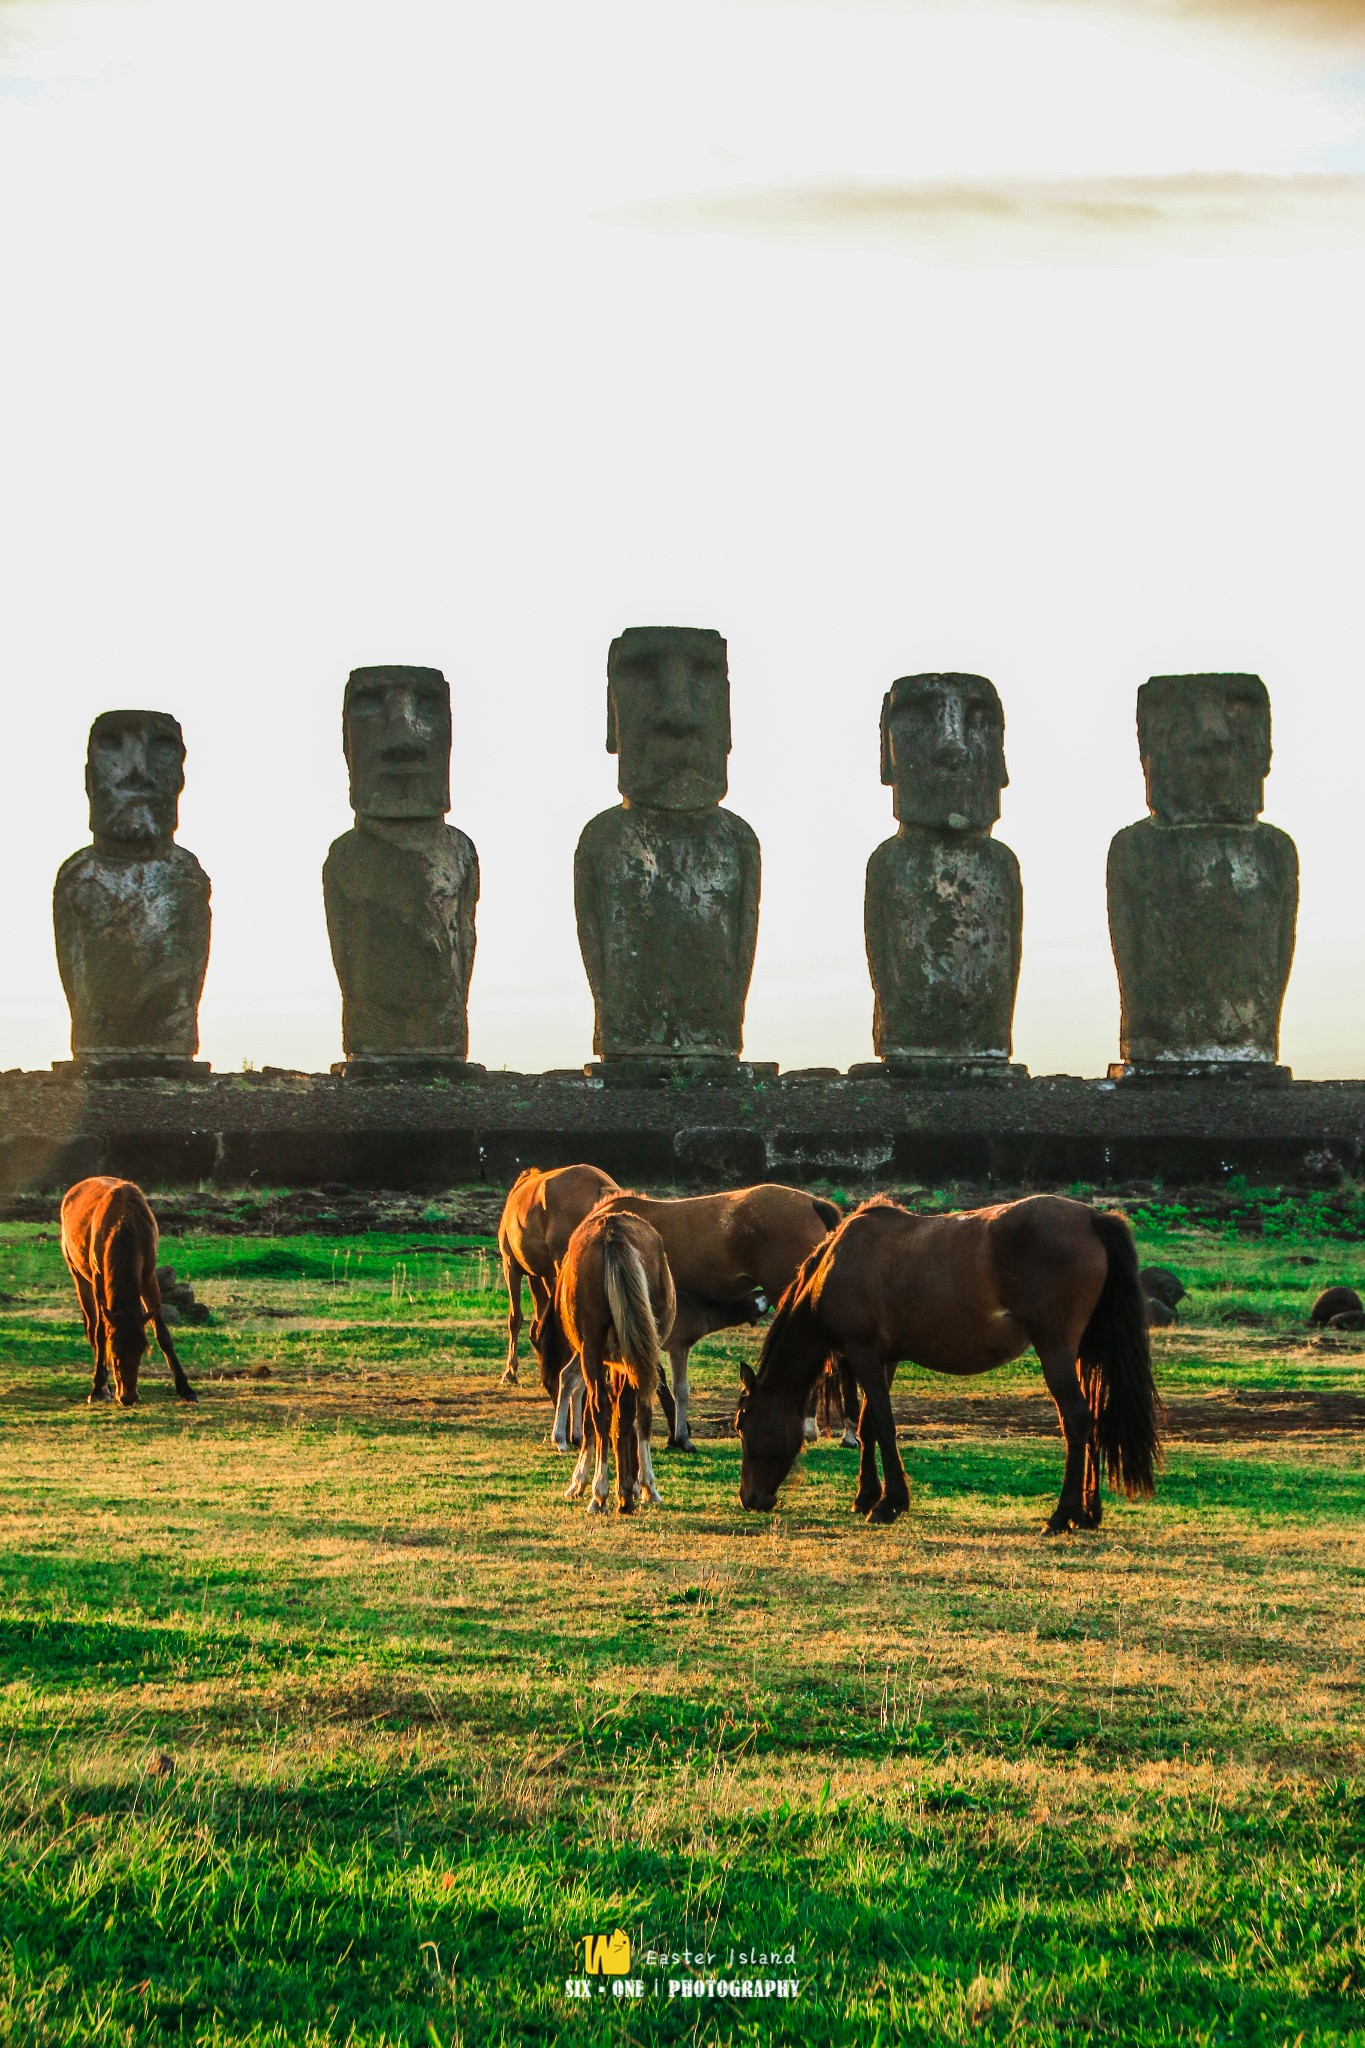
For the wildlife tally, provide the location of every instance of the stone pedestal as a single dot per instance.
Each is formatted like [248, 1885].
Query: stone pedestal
[1202, 898]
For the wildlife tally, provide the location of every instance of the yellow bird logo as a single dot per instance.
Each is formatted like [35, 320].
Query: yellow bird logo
[607, 1955]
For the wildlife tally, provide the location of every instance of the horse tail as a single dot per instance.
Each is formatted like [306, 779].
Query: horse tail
[828, 1212]
[632, 1312]
[1116, 1365]
[123, 1304]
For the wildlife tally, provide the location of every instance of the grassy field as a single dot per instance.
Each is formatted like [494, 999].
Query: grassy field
[327, 1719]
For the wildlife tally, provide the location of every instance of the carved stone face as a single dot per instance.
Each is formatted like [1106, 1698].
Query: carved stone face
[396, 733]
[943, 751]
[134, 773]
[1205, 744]
[668, 716]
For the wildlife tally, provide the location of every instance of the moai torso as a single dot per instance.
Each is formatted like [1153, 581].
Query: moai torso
[131, 912]
[402, 886]
[1203, 899]
[943, 908]
[666, 886]
[400, 916]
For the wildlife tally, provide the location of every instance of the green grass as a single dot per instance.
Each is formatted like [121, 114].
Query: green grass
[324, 1718]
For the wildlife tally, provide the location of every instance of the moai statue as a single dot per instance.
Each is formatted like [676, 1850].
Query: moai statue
[944, 908]
[131, 912]
[1202, 898]
[402, 886]
[666, 885]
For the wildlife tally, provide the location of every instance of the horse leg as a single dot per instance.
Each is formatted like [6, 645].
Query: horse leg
[678, 1349]
[623, 1446]
[163, 1338]
[848, 1388]
[570, 1385]
[597, 1412]
[511, 1274]
[869, 1485]
[94, 1332]
[644, 1421]
[894, 1495]
[810, 1427]
[1079, 1506]
[666, 1401]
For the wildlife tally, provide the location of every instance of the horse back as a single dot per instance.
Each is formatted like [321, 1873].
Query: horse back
[96, 1211]
[723, 1246]
[923, 1288]
[543, 1210]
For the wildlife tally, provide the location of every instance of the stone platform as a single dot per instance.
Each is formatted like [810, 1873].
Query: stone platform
[278, 1129]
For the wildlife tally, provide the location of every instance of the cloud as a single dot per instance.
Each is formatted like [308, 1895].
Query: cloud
[1012, 219]
[1303, 17]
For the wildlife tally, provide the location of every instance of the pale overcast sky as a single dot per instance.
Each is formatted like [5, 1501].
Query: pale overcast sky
[1023, 338]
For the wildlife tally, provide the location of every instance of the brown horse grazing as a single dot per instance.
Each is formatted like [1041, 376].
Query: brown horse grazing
[963, 1294]
[730, 1256]
[109, 1240]
[614, 1303]
[540, 1215]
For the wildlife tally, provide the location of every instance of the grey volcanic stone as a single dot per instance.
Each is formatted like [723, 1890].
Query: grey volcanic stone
[1159, 1283]
[944, 906]
[402, 887]
[1202, 898]
[666, 886]
[131, 912]
[1335, 1301]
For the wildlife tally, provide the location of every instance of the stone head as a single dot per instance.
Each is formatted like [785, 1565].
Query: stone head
[395, 726]
[134, 773]
[943, 751]
[668, 716]
[1205, 746]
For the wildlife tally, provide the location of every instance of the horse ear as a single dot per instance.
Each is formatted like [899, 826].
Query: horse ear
[747, 1379]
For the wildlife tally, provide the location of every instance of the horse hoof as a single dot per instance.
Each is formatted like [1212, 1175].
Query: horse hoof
[681, 1443]
[849, 1441]
[1061, 1524]
[509, 1377]
[885, 1511]
[99, 1400]
[595, 1506]
[863, 1505]
[573, 1493]
[187, 1393]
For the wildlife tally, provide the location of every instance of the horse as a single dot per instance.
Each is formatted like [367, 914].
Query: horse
[614, 1303]
[730, 1255]
[963, 1294]
[540, 1215]
[109, 1241]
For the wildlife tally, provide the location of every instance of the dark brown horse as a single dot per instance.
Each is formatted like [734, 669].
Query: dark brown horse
[731, 1255]
[109, 1240]
[540, 1215]
[614, 1306]
[963, 1294]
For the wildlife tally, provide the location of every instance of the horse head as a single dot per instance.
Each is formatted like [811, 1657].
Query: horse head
[771, 1432]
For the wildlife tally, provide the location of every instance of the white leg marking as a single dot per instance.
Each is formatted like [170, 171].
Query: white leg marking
[580, 1474]
[569, 1379]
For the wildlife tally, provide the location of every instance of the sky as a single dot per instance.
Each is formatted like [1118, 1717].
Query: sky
[1022, 338]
